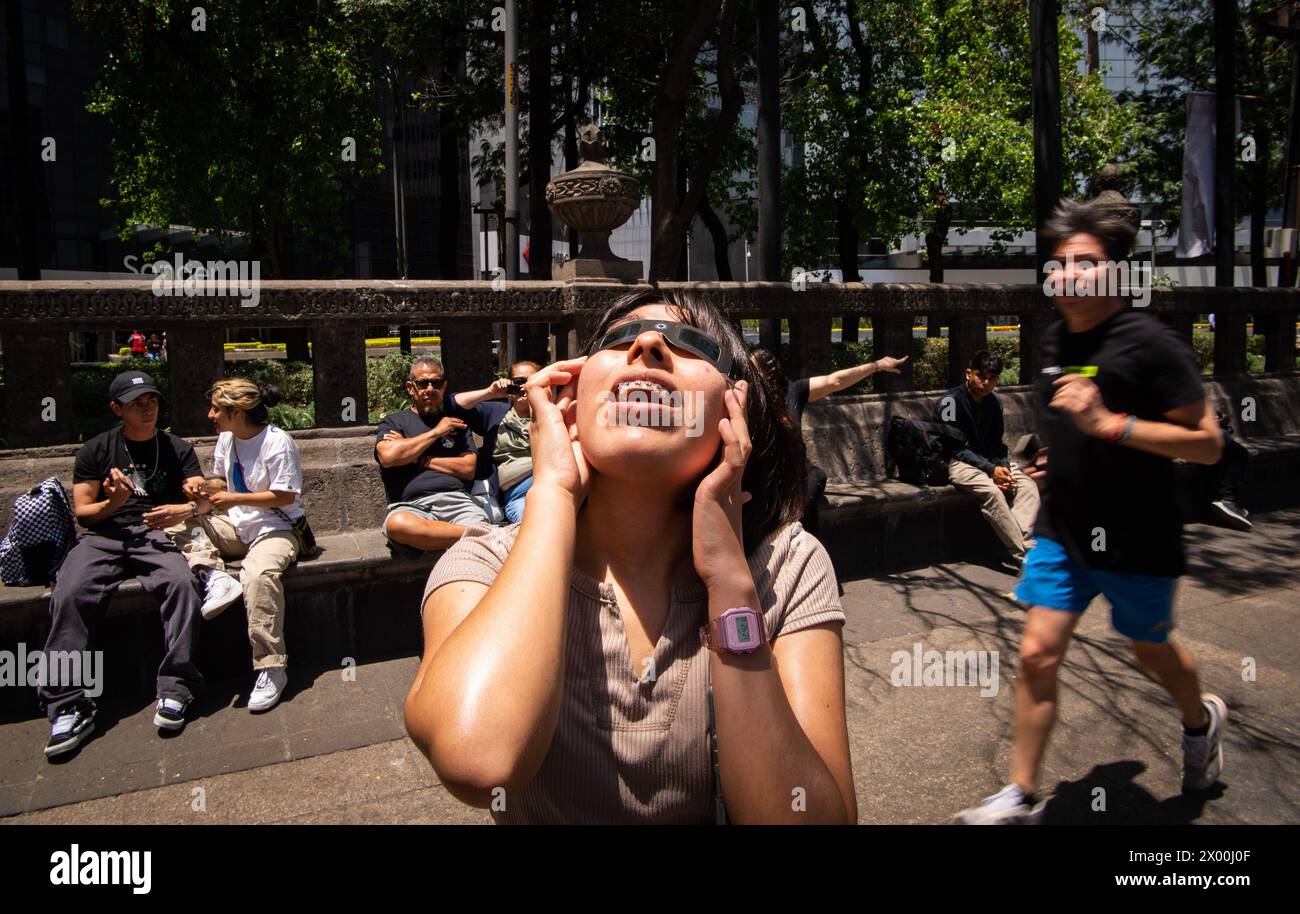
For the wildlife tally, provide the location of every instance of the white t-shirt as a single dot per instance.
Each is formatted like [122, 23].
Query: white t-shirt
[267, 461]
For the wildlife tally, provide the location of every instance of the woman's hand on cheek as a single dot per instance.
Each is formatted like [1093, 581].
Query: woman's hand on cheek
[557, 456]
[718, 543]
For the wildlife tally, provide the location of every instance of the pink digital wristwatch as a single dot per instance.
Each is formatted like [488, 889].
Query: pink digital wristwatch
[739, 630]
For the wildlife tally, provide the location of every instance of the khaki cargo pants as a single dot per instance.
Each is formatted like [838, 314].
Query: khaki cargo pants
[1011, 514]
[208, 539]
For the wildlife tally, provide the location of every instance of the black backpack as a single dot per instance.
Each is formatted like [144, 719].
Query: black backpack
[920, 451]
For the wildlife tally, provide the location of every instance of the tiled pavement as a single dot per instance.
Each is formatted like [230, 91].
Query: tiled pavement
[334, 750]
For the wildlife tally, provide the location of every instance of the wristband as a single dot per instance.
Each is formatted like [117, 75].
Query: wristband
[1122, 434]
[1128, 429]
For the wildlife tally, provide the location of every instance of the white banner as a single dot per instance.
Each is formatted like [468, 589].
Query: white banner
[1196, 228]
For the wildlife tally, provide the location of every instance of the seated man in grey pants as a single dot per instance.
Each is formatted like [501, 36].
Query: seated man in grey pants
[127, 486]
[427, 461]
[1008, 498]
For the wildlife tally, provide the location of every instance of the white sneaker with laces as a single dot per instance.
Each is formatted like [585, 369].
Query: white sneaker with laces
[267, 690]
[1009, 806]
[219, 591]
[170, 714]
[1203, 755]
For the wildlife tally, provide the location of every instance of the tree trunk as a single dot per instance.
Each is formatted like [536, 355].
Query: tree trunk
[769, 141]
[937, 237]
[451, 176]
[671, 213]
[27, 179]
[570, 148]
[1259, 207]
[846, 223]
[540, 233]
[721, 260]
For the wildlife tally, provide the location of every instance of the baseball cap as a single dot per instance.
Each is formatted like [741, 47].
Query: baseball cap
[131, 384]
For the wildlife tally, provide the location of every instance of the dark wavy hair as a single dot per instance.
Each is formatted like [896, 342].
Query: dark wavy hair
[774, 473]
[1096, 217]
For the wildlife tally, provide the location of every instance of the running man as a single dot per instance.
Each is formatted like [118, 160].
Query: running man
[1120, 399]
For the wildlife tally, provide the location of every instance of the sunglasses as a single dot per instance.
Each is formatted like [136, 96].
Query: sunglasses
[680, 336]
[422, 383]
[519, 382]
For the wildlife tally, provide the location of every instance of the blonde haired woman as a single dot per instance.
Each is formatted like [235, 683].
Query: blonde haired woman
[261, 500]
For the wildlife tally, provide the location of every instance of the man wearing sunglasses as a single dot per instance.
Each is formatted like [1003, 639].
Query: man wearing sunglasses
[1008, 498]
[427, 462]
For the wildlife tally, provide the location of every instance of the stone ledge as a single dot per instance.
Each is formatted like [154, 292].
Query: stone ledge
[347, 558]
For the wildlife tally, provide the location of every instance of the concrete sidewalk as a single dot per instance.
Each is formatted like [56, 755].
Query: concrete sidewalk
[335, 750]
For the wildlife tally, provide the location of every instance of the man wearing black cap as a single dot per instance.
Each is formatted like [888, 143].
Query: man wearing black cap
[127, 486]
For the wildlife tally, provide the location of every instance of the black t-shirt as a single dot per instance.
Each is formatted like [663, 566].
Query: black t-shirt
[796, 398]
[409, 482]
[1100, 493]
[981, 423]
[158, 467]
[483, 420]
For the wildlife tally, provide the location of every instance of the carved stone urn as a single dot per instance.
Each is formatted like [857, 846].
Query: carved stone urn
[594, 199]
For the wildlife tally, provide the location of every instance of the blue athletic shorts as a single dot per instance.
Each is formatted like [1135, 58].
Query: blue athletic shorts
[1141, 605]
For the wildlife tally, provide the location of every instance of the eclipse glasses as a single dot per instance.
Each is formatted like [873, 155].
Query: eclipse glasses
[679, 336]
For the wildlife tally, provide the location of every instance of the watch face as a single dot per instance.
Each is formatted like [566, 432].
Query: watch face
[743, 630]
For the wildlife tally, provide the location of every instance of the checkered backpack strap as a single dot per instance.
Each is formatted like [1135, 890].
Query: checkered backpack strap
[39, 536]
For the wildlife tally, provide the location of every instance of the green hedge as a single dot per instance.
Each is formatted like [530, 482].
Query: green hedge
[384, 390]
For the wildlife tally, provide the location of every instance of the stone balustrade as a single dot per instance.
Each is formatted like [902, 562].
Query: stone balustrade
[36, 318]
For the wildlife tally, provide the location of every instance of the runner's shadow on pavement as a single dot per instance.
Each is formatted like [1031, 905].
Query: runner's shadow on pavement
[1121, 801]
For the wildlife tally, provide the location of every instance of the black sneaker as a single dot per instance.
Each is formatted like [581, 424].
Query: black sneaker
[1232, 514]
[70, 727]
[170, 714]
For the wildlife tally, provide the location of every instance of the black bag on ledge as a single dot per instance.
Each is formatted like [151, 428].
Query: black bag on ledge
[920, 451]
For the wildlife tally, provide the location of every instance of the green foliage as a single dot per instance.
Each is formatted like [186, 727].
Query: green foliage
[907, 107]
[1173, 44]
[90, 410]
[1008, 349]
[238, 127]
[854, 72]
[1203, 349]
[291, 417]
[295, 379]
[385, 380]
[975, 85]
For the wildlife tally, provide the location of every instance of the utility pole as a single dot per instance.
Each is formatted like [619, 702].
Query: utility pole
[1046, 76]
[512, 157]
[1225, 139]
[769, 162]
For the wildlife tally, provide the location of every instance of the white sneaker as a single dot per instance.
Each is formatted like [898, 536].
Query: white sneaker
[170, 714]
[1009, 806]
[266, 692]
[219, 591]
[1203, 755]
